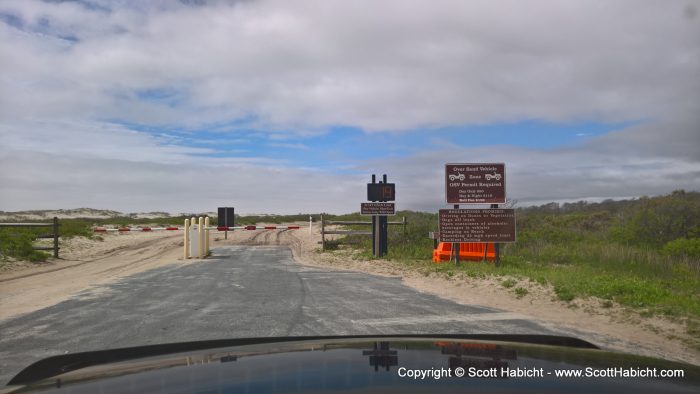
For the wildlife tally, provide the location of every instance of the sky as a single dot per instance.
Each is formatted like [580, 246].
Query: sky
[290, 106]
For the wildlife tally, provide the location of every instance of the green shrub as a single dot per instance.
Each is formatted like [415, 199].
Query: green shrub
[332, 244]
[564, 293]
[18, 244]
[520, 292]
[658, 220]
[508, 283]
[683, 247]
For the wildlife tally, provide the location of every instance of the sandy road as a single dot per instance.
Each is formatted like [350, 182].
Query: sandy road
[38, 287]
[86, 264]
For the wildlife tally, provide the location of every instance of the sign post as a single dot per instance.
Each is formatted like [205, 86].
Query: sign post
[380, 193]
[476, 183]
[225, 218]
[455, 246]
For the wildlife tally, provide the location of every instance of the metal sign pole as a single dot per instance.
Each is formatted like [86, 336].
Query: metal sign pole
[377, 237]
[375, 232]
[384, 243]
[497, 246]
[380, 194]
[456, 246]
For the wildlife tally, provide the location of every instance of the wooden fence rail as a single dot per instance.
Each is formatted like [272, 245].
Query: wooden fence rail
[54, 225]
[403, 223]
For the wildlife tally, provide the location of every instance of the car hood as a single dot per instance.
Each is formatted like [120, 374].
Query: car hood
[357, 363]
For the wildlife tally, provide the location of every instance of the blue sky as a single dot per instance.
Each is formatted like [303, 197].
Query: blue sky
[341, 148]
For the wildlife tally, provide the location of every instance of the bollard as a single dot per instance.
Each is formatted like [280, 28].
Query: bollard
[206, 236]
[187, 239]
[200, 233]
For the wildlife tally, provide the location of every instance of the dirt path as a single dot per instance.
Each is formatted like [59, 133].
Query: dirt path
[86, 264]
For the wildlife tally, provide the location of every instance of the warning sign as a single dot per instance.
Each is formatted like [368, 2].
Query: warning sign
[377, 208]
[477, 225]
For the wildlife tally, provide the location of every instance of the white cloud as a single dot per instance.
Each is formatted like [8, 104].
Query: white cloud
[48, 180]
[129, 177]
[616, 165]
[375, 65]
[292, 69]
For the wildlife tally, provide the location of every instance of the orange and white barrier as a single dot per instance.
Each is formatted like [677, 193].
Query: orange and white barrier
[195, 234]
[125, 229]
[136, 229]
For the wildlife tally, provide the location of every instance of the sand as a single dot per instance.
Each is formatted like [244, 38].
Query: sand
[84, 264]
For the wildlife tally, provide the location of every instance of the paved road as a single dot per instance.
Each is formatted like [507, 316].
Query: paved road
[244, 291]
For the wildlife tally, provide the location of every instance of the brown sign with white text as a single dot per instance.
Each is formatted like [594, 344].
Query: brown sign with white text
[378, 208]
[475, 183]
[477, 225]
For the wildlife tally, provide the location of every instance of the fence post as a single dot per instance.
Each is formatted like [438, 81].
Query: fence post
[187, 239]
[323, 234]
[55, 237]
[404, 225]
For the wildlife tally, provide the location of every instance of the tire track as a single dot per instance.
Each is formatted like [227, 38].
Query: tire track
[254, 239]
[111, 253]
[154, 254]
[278, 235]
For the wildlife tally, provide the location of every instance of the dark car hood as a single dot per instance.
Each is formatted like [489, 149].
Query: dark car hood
[358, 363]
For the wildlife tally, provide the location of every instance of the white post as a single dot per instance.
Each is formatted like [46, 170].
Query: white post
[311, 220]
[187, 239]
[206, 236]
[200, 232]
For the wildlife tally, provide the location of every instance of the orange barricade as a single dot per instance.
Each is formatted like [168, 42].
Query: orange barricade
[473, 251]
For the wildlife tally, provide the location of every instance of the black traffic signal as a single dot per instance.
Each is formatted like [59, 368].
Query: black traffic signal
[381, 192]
